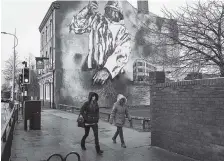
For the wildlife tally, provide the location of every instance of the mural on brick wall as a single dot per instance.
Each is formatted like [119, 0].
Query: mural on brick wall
[98, 52]
[109, 40]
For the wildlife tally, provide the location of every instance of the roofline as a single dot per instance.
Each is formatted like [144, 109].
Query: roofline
[54, 5]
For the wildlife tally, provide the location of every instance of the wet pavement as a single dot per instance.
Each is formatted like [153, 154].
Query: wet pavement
[59, 134]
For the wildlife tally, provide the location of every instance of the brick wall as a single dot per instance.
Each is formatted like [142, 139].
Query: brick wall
[188, 118]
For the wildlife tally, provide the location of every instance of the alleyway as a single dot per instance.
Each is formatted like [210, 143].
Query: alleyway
[60, 134]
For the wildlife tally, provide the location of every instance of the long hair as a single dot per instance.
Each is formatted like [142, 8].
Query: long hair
[91, 94]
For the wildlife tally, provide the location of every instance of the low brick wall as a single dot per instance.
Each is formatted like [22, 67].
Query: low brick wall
[188, 118]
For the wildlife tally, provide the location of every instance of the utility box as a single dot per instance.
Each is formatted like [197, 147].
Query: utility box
[32, 112]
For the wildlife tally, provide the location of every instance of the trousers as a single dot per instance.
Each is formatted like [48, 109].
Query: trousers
[95, 132]
[120, 132]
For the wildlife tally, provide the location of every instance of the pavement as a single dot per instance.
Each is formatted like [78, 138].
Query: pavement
[59, 134]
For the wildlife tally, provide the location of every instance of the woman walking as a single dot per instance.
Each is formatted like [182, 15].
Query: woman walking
[90, 112]
[117, 116]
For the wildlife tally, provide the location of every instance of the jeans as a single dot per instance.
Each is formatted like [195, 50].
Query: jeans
[95, 132]
[120, 132]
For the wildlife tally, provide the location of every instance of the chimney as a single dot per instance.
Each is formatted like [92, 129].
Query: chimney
[143, 6]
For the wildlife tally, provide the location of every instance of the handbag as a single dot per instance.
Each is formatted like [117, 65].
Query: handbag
[80, 121]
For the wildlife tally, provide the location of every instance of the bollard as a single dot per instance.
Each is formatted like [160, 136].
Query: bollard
[28, 125]
[17, 114]
[108, 118]
[131, 124]
[143, 124]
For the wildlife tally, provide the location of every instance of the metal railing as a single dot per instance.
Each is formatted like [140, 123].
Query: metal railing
[7, 133]
[144, 120]
[57, 156]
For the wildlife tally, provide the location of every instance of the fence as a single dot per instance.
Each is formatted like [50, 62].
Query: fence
[7, 133]
[144, 120]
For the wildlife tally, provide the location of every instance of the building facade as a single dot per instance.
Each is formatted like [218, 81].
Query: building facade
[141, 69]
[81, 45]
[47, 50]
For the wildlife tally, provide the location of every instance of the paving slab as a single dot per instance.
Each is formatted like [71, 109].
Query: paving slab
[59, 134]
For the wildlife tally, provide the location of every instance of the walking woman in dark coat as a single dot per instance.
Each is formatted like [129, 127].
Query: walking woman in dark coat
[90, 112]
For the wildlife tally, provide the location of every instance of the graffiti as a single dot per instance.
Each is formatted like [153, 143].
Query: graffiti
[109, 40]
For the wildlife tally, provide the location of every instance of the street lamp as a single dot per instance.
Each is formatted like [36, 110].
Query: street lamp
[14, 66]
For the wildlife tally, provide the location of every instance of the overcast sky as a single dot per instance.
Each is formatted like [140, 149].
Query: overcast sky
[26, 16]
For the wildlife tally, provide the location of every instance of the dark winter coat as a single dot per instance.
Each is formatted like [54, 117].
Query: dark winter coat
[90, 112]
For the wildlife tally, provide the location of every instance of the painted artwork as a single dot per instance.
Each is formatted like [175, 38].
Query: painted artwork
[98, 48]
[109, 40]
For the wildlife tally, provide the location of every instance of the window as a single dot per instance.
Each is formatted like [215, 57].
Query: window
[46, 34]
[140, 78]
[51, 29]
[140, 70]
[140, 63]
[50, 57]
[42, 40]
[46, 61]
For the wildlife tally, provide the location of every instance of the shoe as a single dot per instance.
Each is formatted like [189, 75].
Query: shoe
[123, 145]
[100, 152]
[83, 147]
[114, 140]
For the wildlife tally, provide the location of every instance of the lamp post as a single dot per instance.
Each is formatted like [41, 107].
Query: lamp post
[14, 63]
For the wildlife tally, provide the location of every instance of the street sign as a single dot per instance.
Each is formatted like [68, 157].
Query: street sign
[39, 63]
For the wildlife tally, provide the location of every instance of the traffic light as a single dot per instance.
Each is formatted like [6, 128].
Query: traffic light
[26, 75]
[20, 79]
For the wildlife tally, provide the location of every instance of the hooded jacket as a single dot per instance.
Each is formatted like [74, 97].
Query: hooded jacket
[119, 112]
[90, 112]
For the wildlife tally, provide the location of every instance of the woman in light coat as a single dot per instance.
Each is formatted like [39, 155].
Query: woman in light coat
[119, 111]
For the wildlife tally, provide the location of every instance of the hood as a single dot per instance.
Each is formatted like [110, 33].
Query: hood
[120, 96]
[91, 94]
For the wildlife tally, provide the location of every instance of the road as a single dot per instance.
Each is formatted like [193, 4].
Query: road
[5, 112]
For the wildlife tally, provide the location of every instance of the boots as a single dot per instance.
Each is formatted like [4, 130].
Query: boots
[114, 140]
[99, 152]
[123, 145]
[83, 145]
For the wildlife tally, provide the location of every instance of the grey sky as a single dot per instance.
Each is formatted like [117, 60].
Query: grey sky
[26, 16]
